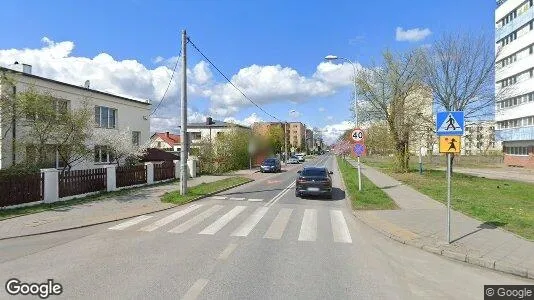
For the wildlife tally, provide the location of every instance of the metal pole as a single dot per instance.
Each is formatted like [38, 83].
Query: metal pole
[183, 128]
[356, 120]
[359, 176]
[448, 198]
[420, 161]
[285, 143]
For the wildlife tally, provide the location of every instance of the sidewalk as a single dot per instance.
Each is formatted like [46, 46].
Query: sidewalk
[421, 221]
[505, 173]
[139, 201]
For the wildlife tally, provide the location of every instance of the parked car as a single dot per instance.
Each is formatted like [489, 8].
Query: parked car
[314, 181]
[300, 157]
[293, 160]
[271, 165]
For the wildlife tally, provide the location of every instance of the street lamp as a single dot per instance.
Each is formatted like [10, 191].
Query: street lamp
[331, 57]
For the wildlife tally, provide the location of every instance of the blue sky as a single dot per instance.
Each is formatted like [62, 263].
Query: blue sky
[235, 34]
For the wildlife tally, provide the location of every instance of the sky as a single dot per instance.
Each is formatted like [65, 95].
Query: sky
[273, 50]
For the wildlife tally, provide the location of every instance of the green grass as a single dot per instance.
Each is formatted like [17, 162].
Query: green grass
[202, 190]
[14, 212]
[371, 197]
[505, 203]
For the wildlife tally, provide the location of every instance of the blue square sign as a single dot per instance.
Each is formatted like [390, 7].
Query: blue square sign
[450, 123]
[359, 149]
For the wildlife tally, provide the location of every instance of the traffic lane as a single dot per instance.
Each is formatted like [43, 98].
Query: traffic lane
[266, 189]
[338, 193]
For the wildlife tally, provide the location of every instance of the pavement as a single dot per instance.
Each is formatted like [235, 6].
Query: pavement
[256, 241]
[505, 173]
[421, 222]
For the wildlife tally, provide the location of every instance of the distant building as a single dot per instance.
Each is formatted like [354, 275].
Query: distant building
[209, 130]
[514, 77]
[479, 138]
[310, 142]
[112, 113]
[165, 141]
[297, 132]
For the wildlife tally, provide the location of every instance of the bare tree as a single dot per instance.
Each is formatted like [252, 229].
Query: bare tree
[459, 68]
[393, 92]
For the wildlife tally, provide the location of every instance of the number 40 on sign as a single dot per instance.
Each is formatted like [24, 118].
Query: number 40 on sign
[357, 135]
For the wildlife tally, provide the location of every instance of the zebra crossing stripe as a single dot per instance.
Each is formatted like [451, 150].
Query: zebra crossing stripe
[278, 226]
[170, 218]
[223, 221]
[129, 223]
[196, 220]
[251, 222]
[308, 228]
[339, 227]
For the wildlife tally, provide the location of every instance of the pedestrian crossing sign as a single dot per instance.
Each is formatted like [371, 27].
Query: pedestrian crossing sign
[449, 144]
[450, 123]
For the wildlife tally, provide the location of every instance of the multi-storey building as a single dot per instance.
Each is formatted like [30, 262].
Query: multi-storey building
[297, 132]
[479, 138]
[514, 80]
[113, 114]
[309, 139]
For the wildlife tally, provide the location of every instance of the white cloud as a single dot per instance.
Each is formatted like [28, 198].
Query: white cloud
[321, 109]
[294, 114]
[332, 132]
[411, 35]
[329, 118]
[248, 121]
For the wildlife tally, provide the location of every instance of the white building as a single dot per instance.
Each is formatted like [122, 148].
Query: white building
[165, 141]
[514, 79]
[111, 113]
[479, 138]
[209, 130]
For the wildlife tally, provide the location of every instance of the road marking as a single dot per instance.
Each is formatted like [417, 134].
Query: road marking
[170, 218]
[222, 221]
[255, 200]
[218, 197]
[280, 195]
[226, 252]
[339, 227]
[237, 199]
[308, 228]
[195, 290]
[250, 222]
[129, 223]
[278, 226]
[196, 220]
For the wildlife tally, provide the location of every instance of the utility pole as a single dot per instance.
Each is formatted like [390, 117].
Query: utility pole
[183, 128]
[285, 143]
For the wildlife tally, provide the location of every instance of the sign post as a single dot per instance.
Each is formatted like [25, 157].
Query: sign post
[450, 127]
[358, 136]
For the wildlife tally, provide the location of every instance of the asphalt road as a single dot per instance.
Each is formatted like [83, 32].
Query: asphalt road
[257, 241]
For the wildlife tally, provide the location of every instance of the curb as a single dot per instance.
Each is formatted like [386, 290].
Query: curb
[453, 255]
[124, 218]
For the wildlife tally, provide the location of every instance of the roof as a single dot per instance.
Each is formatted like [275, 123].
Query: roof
[169, 138]
[154, 154]
[215, 123]
[146, 102]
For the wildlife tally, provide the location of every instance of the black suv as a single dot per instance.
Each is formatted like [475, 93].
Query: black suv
[314, 181]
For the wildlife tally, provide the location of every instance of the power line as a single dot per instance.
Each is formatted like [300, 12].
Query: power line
[229, 81]
[168, 85]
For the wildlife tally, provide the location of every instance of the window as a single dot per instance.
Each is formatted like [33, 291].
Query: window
[195, 135]
[61, 107]
[136, 137]
[103, 154]
[105, 117]
[50, 159]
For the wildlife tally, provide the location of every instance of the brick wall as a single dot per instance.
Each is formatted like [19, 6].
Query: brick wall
[521, 161]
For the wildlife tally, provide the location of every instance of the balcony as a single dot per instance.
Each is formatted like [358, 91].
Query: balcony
[515, 134]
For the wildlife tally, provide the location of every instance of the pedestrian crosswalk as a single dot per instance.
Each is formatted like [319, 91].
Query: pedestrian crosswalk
[242, 220]
[236, 198]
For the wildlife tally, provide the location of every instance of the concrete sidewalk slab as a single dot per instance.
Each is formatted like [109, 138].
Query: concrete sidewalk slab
[140, 201]
[421, 222]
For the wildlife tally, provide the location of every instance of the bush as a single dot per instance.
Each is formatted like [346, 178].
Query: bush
[20, 169]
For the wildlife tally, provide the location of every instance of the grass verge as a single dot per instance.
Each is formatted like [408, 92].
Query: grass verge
[202, 189]
[503, 203]
[21, 211]
[371, 197]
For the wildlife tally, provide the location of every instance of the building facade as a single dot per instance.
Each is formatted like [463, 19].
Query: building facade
[310, 143]
[479, 139]
[297, 132]
[112, 114]
[514, 80]
[209, 130]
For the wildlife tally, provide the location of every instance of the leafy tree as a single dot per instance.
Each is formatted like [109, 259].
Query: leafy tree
[275, 138]
[378, 139]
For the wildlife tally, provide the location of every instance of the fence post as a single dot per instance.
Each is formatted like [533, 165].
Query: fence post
[191, 168]
[149, 172]
[111, 176]
[176, 169]
[51, 185]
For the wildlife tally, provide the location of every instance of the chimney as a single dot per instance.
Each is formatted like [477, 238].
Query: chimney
[167, 134]
[87, 84]
[209, 121]
[26, 69]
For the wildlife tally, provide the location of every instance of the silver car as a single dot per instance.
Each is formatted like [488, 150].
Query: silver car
[293, 160]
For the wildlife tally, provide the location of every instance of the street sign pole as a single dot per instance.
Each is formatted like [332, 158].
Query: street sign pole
[448, 198]
[359, 176]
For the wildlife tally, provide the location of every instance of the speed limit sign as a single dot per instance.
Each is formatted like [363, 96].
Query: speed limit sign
[357, 135]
